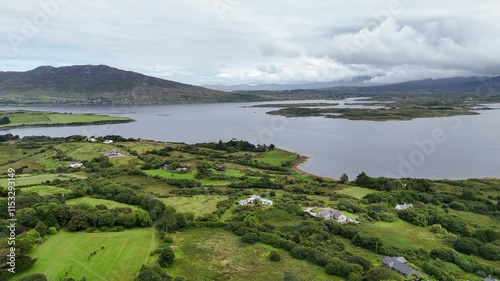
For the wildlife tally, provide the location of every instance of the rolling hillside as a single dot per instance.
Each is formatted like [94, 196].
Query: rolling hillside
[89, 84]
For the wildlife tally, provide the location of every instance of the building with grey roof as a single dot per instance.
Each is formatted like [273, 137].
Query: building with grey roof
[396, 264]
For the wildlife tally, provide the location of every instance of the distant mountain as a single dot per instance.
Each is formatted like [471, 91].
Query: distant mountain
[91, 84]
[355, 82]
[456, 84]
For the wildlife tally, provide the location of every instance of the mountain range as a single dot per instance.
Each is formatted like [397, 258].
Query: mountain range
[362, 81]
[101, 84]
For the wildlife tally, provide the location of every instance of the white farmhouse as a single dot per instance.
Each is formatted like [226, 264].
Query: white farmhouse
[252, 200]
[403, 207]
[76, 165]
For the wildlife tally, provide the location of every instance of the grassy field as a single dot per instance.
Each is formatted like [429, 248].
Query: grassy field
[404, 235]
[186, 176]
[44, 190]
[198, 204]
[276, 157]
[147, 184]
[215, 254]
[477, 219]
[88, 151]
[22, 118]
[279, 217]
[119, 255]
[96, 201]
[23, 180]
[355, 191]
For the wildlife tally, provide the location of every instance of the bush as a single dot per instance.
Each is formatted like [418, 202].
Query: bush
[366, 241]
[467, 245]
[274, 256]
[490, 251]
[338, 268]
[444, 254]
[167, 257]
[438, 229]
[52, 230]
[250, 238]
[459, 206]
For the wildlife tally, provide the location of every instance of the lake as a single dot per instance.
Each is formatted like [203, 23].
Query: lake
[435, 148]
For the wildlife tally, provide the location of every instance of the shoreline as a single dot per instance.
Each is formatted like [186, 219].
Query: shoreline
[67, 125]
[301, 160]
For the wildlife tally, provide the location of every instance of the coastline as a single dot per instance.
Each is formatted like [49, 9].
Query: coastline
[68, 125]
[301, 160]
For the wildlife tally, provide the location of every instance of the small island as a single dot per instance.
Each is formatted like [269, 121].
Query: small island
[23, 118]
[381, 114]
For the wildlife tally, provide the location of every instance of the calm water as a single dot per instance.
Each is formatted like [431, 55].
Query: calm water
[454, 148]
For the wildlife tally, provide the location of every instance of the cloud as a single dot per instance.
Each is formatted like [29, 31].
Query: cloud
[260, 41]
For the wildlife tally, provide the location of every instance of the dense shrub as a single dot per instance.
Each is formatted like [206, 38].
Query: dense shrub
[274, 256]
[467, 245]
[490, 251]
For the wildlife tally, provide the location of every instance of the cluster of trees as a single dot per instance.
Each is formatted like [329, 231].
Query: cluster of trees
[152, 162]
[205, 171]
[488, 249]
[237, 145]
[312, 240]
[388, 184]
[260, 165]
[161, 152]
[4, 120]
[152, 273]
[82, 217]
[425, 215]
[466, 263]
[8, 137]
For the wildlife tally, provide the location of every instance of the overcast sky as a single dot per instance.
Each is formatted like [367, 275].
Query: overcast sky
[257, 41]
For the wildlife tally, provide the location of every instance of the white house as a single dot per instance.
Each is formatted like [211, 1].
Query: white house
[252, 199]
[403, 207]
[107, 141]
[76, 165]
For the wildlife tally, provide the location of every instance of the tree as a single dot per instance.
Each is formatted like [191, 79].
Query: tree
[344, 178]
[490, 251]
[339, 268]
[250, 238]
[52, 230]
[167, 257]
[467, 245]
[42, 228]
[274, 256]
[148, 275]
[4, 120]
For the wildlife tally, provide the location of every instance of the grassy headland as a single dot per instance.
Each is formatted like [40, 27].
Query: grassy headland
[24, 118]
